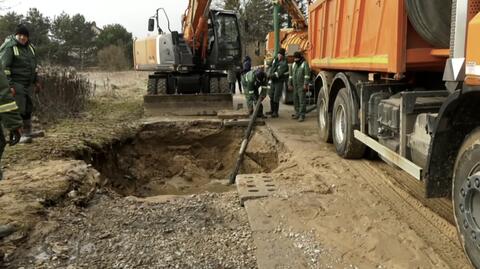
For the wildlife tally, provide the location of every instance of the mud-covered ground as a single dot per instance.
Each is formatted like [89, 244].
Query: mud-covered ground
[95, 193]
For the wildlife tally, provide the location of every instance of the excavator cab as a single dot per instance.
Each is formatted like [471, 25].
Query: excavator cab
[224, 45]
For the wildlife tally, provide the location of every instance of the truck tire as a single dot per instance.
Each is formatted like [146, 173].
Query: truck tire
[342, 128]
[431, 19]
[162, 86]
[287, 96]
[466, 196]
[223, 85]
[324, 119]
[152, 86]
[214, 85]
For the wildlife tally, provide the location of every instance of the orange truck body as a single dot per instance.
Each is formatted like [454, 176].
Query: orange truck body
[473, 52]
[342, 38]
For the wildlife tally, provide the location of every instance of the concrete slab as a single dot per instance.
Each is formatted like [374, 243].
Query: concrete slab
[242, 122]
[232, 114]
[254, 186]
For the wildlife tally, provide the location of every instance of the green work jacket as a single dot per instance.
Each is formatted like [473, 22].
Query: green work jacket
[279, 70]
[9, 114]
[299, 75]
[19, 62]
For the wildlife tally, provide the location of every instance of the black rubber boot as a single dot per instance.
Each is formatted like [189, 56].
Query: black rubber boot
[276, 106]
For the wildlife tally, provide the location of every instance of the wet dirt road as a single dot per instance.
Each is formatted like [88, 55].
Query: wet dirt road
[372, 216]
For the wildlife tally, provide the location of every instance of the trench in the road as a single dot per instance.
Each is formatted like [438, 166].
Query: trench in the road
[157, 161]
[178, 158]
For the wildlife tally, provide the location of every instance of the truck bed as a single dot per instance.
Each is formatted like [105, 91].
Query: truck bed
[364, 35]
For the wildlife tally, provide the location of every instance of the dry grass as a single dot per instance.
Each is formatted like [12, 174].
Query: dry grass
[65, 94]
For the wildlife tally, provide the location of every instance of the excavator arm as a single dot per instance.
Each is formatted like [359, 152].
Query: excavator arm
[292, 9]
[195, 25]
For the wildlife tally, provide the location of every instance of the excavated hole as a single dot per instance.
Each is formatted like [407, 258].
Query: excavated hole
[182, 158]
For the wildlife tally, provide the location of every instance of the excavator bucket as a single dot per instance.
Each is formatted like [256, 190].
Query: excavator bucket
[187, 104]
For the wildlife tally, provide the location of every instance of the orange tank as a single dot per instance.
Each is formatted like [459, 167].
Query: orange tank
[290, 39]
[367, 35]
[473, 53]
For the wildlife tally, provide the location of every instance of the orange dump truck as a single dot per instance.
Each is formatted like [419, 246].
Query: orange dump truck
[402, 78]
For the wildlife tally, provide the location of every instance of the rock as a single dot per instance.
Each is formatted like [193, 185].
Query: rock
[6, 230]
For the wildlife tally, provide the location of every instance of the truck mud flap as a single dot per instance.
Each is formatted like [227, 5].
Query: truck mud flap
[187, 105]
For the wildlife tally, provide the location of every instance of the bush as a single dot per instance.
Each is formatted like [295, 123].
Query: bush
[112, 58]
[65, 94]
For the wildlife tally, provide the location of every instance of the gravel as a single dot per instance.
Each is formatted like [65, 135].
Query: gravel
[197, 231]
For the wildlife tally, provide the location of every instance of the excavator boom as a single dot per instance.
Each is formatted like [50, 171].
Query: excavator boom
[291, 8]
[195, 25]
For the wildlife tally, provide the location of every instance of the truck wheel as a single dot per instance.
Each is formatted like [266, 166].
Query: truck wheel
[223, 85]
[162, 86]
[324, 119]
[152, 86]
[214, 85]
[466, 196]
[342, 128]
[287, 96]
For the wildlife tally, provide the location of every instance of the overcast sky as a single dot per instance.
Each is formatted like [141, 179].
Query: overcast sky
[133, 15]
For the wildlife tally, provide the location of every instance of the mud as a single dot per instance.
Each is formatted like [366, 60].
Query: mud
[178, 158]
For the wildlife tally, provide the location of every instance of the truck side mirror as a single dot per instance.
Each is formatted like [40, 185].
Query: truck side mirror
[151, 25]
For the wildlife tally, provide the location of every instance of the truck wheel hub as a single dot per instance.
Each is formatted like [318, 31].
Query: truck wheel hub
[470, 208]
[322, 114]
[340, 124]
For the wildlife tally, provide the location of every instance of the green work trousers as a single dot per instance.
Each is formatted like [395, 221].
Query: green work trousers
[275, 92]
[252, 98]
[24, 100]
[299, 101]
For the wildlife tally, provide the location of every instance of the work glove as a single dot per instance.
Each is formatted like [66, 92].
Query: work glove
[13, 91]
[14, 136]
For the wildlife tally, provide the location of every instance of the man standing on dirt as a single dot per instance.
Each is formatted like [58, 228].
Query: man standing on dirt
[299, 80]
[252, 82]
[278, 74]
[9, 116]
[18, 59]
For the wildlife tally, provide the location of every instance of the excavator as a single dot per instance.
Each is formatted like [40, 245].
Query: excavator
[188, 70]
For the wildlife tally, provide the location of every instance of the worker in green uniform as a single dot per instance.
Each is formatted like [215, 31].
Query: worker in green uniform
[252, 82]
[9, 116]
[278, 74]
[299, 80]
[18, 59]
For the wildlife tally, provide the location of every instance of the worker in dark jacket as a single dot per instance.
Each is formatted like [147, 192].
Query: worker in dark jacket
[278, 74]
[247, 64]
[9, 116]
[253, 82]
[18, 59]
[299, 80]
[246, 67]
